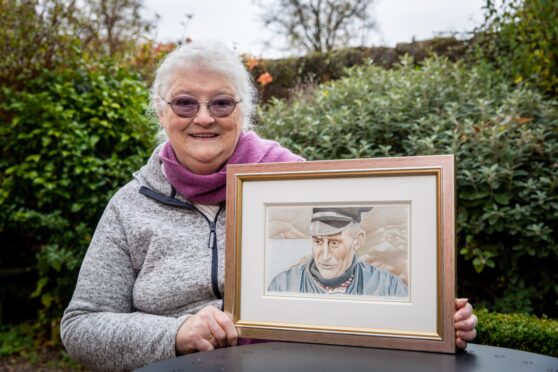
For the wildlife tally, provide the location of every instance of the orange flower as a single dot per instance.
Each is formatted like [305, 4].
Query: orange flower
[265, 79]
[522, 120]
[164, 47]
[251, 62]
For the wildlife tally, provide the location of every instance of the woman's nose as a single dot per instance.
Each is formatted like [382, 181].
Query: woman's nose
[203, 116]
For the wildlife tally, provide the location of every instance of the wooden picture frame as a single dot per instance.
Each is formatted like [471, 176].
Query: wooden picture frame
[409, 205]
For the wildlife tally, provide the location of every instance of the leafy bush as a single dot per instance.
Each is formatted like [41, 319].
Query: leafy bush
[68, 142]
[518, 331]
[21, 350]
[521, 37]
[15, 339]
[505, 141]
[39, 35]
[35, 35]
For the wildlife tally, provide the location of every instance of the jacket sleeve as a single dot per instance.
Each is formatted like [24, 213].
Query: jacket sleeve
[100, 328]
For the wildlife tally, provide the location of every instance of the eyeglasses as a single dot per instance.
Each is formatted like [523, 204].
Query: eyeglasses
[188, 107]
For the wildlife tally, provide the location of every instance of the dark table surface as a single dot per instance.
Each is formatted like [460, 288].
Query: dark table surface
[283, 356]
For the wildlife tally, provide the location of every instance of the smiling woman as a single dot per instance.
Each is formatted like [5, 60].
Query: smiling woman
[151, 283]
[202, 140]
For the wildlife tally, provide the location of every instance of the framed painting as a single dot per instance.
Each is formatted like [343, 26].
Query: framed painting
[349, 252]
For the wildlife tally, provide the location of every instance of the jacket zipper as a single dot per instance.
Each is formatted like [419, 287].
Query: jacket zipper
[212, 243]
[214, 253]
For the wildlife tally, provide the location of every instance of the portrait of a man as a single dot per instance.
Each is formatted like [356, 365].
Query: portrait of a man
[335, 267]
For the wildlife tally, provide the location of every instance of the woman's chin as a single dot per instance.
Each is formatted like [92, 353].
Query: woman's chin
[205, 164]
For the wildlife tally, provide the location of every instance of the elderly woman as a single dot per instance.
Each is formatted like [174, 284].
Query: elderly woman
[151, 283]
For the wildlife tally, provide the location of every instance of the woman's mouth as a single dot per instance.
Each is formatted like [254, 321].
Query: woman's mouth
[203, 135]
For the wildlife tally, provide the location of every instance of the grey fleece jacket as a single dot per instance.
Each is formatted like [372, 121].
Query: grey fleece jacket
[147, 269]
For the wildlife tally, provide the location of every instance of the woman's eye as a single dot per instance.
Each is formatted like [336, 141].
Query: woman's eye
[185, 102]
[222, 102]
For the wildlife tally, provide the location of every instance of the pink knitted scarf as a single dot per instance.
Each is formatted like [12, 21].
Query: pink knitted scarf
[210, 189]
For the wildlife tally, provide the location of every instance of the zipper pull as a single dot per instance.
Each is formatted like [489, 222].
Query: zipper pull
[212, 236]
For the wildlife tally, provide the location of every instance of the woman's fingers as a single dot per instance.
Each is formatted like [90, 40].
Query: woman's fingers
[464, 309]
[468, 324]
[462, 337]
[217, 335]
[460, 302]
[202, 344]
[194, 335]
[466, 335]
[460, 343]
[220, 326]
[206, 330]
[227, 325]
[465, 323]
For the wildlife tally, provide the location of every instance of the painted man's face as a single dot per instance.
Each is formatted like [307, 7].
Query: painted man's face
[333, 254]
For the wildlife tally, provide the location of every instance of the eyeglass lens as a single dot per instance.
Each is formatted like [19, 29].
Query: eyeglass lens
[187, 107]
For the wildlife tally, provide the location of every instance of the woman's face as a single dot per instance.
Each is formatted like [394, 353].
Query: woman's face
[202, 143]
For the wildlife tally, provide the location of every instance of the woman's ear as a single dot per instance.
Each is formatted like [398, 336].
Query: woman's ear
[160, 117]
[160, 111]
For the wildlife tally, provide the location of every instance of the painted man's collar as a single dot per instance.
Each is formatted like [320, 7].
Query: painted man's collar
[333, 282]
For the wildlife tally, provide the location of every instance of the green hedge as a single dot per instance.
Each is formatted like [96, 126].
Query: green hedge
[518, 331]
[505, 140]
[290, 74]
[69, 141]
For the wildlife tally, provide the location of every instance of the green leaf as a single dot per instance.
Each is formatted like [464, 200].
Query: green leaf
[46, 300]
[39, 288]
[76, 207]
[478, 263]
[502, 199]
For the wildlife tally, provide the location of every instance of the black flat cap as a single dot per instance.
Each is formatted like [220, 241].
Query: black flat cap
[332, 220]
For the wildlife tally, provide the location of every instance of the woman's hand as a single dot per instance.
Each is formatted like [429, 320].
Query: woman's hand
[465, 323]
[209, 329]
